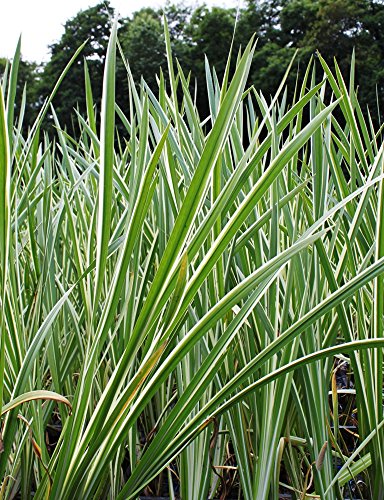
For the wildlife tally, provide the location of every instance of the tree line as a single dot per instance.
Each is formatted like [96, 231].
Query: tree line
[339, 29]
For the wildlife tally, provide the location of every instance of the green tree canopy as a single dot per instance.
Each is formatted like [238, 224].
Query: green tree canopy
[143, 45]
[92, 24]
[335, 28]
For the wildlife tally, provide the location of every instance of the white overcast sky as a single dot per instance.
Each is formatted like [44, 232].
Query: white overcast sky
[41, 21]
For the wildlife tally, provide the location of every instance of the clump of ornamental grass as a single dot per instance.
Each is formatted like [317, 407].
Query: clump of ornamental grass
[178, 302]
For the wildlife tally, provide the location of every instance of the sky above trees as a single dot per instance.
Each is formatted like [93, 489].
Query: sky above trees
[41, 21]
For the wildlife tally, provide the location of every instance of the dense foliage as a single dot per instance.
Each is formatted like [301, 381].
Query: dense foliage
[191, 307]
[335, 28]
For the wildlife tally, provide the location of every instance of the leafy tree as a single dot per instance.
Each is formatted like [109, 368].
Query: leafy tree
[337, 28]
[333, 27]
[206, 32]
[29, 75]
[211, 33]
[143, 43]
[92, 24]
[272, 54]
[374, 35]
[296, 20]
[179, 19]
